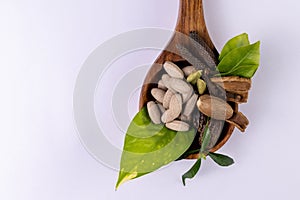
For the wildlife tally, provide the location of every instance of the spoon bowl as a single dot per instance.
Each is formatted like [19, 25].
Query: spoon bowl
[190, 20]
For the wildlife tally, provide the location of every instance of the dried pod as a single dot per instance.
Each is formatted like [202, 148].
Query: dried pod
[173, 70]
[233, 83]
[201, 85]
[192, 78]
[214, 107]
[178, 126]
[237, 96]
[239, 120]
[154, 112]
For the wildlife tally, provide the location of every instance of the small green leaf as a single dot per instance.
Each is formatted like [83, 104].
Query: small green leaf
[236, 42]
[206, 139]
[148, 147]
[192, 172]
[242, 61]
[221, 160]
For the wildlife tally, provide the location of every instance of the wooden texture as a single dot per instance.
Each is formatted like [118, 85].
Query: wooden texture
[190, 18]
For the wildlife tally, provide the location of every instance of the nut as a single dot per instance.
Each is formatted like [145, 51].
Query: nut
[158, 94]
[189, 70]
[173, 70]
[154, 112]
[214, 107]
[178, 126]
[190, 105]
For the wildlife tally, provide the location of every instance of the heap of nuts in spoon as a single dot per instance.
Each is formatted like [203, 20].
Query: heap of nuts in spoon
[176, 99]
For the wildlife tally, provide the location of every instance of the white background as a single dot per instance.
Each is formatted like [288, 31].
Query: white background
[44, 43]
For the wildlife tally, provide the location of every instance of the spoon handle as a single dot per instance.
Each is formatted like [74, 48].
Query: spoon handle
[191, 18]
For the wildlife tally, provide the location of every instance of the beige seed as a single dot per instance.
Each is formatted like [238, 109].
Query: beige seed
[187, 96]
[161, 108]
[154, 112]
[190, 105]
[180, 85]
[176, 105]
[166, 80]
[158, 94]
[189, 70]
[214, 107]
[184, 118]
[175, 108]
[178, 126]
[161, 85]
[167, 99]
[167, 117]
[173, 70]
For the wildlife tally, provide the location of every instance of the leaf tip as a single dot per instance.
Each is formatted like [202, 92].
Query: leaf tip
[183, 180]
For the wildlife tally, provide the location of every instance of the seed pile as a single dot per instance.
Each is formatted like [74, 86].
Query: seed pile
[175, 97]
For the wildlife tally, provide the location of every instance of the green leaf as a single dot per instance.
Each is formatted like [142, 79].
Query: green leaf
[221, 160]
[148, 147]
[236, 42]
[242, 61]
[192, 172]
[206, 139]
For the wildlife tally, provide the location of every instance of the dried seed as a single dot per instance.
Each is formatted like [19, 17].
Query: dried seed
[166, 80]
[158, 94]
[190, 105]
[173, 70]
[189, 70]
[161, 85]
[214, 107]
[154, 112]
[167, 117]
[180, 85]
[178, 126]
[175, 105]
[184, 118]
[175, 108]
[167, 99]
[161, 108]
[201, 85]
[187, 96]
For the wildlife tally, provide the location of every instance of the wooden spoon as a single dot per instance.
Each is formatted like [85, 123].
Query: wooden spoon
[190, 19]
